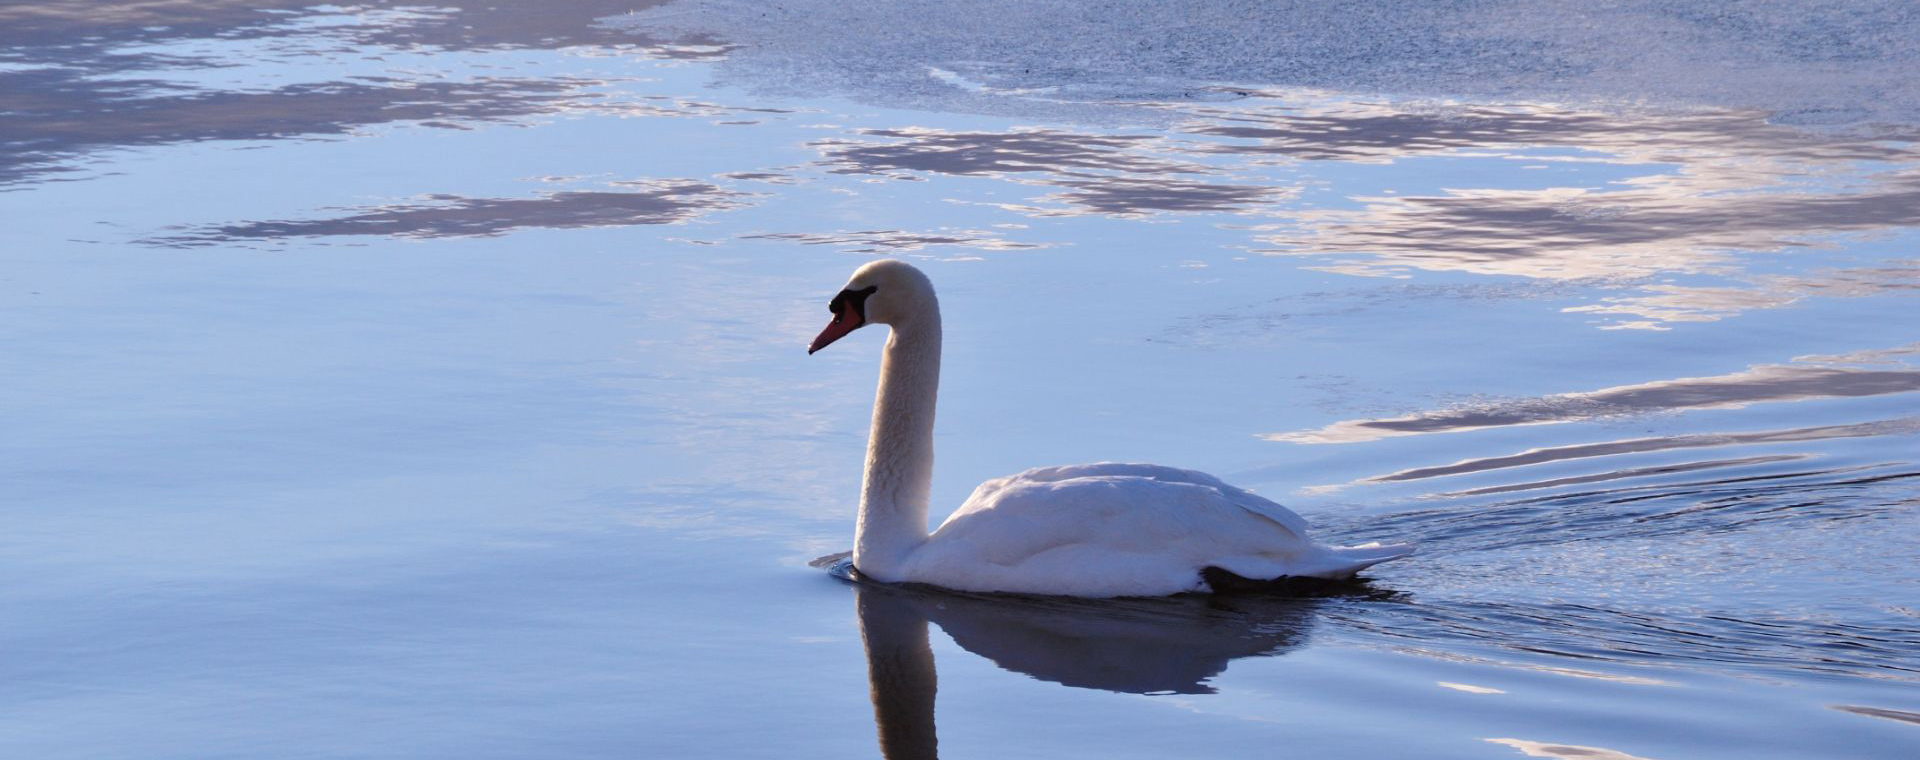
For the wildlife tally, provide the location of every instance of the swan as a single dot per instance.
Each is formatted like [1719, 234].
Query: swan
[1092, 530]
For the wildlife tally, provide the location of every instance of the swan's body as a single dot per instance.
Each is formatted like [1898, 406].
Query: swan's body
[1097, 530]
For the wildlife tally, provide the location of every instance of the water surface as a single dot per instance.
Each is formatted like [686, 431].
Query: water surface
[427, 381]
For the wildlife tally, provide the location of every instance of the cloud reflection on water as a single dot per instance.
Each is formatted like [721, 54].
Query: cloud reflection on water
[57, 116]
[1738, 184]
[1047, 151]
[1321, 126]
[1681, 303]
[1115, 175]
[1758, 384]
[87, 25]
[74, 94]
[1565, 751]
[1664, 224]
[1718, 185]
[1721, 182]
[1132, 196]
[655, 202]
[1901, 426]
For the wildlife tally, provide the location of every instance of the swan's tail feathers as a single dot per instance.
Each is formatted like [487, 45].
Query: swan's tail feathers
[1347, 560]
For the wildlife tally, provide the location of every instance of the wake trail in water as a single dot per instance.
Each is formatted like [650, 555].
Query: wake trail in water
[1805, 572]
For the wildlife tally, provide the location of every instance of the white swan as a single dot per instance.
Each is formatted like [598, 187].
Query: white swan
[1095, 530]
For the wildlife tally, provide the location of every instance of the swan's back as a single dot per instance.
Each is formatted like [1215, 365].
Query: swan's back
[1159, 473]
[1116, 529]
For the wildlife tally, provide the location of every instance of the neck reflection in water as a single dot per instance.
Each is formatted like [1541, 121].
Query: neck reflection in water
[1167, 645]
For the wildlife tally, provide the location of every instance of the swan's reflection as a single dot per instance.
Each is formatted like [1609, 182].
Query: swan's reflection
[900, 675]
[1139, 646]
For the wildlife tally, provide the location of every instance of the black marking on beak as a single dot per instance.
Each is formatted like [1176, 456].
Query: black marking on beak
[849, 313]
[858, 298]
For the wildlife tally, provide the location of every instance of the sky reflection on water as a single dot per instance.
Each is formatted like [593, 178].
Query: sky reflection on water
[440, 371]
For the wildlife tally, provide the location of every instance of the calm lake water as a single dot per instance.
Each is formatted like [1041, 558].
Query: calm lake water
[428, 381]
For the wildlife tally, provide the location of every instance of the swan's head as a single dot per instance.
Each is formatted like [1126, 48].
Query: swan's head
[887, 292]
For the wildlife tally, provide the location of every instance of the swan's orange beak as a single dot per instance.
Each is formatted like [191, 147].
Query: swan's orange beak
[845, 320]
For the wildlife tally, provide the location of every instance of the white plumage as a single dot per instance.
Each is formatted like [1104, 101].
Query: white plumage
[1097, 530]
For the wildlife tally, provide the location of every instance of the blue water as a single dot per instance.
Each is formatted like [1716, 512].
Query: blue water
[396, 381]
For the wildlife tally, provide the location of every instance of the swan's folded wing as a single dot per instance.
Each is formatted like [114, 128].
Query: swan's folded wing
[1240, 497]
[1120, 507]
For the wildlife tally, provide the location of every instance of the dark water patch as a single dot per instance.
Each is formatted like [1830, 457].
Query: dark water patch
[1010, 56]
[772, 178]
[659, 202]
[1902, 716]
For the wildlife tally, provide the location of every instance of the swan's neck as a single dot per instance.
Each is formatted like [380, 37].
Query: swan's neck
[893, 502]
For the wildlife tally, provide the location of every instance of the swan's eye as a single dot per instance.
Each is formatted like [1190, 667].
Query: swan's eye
[858, 298]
